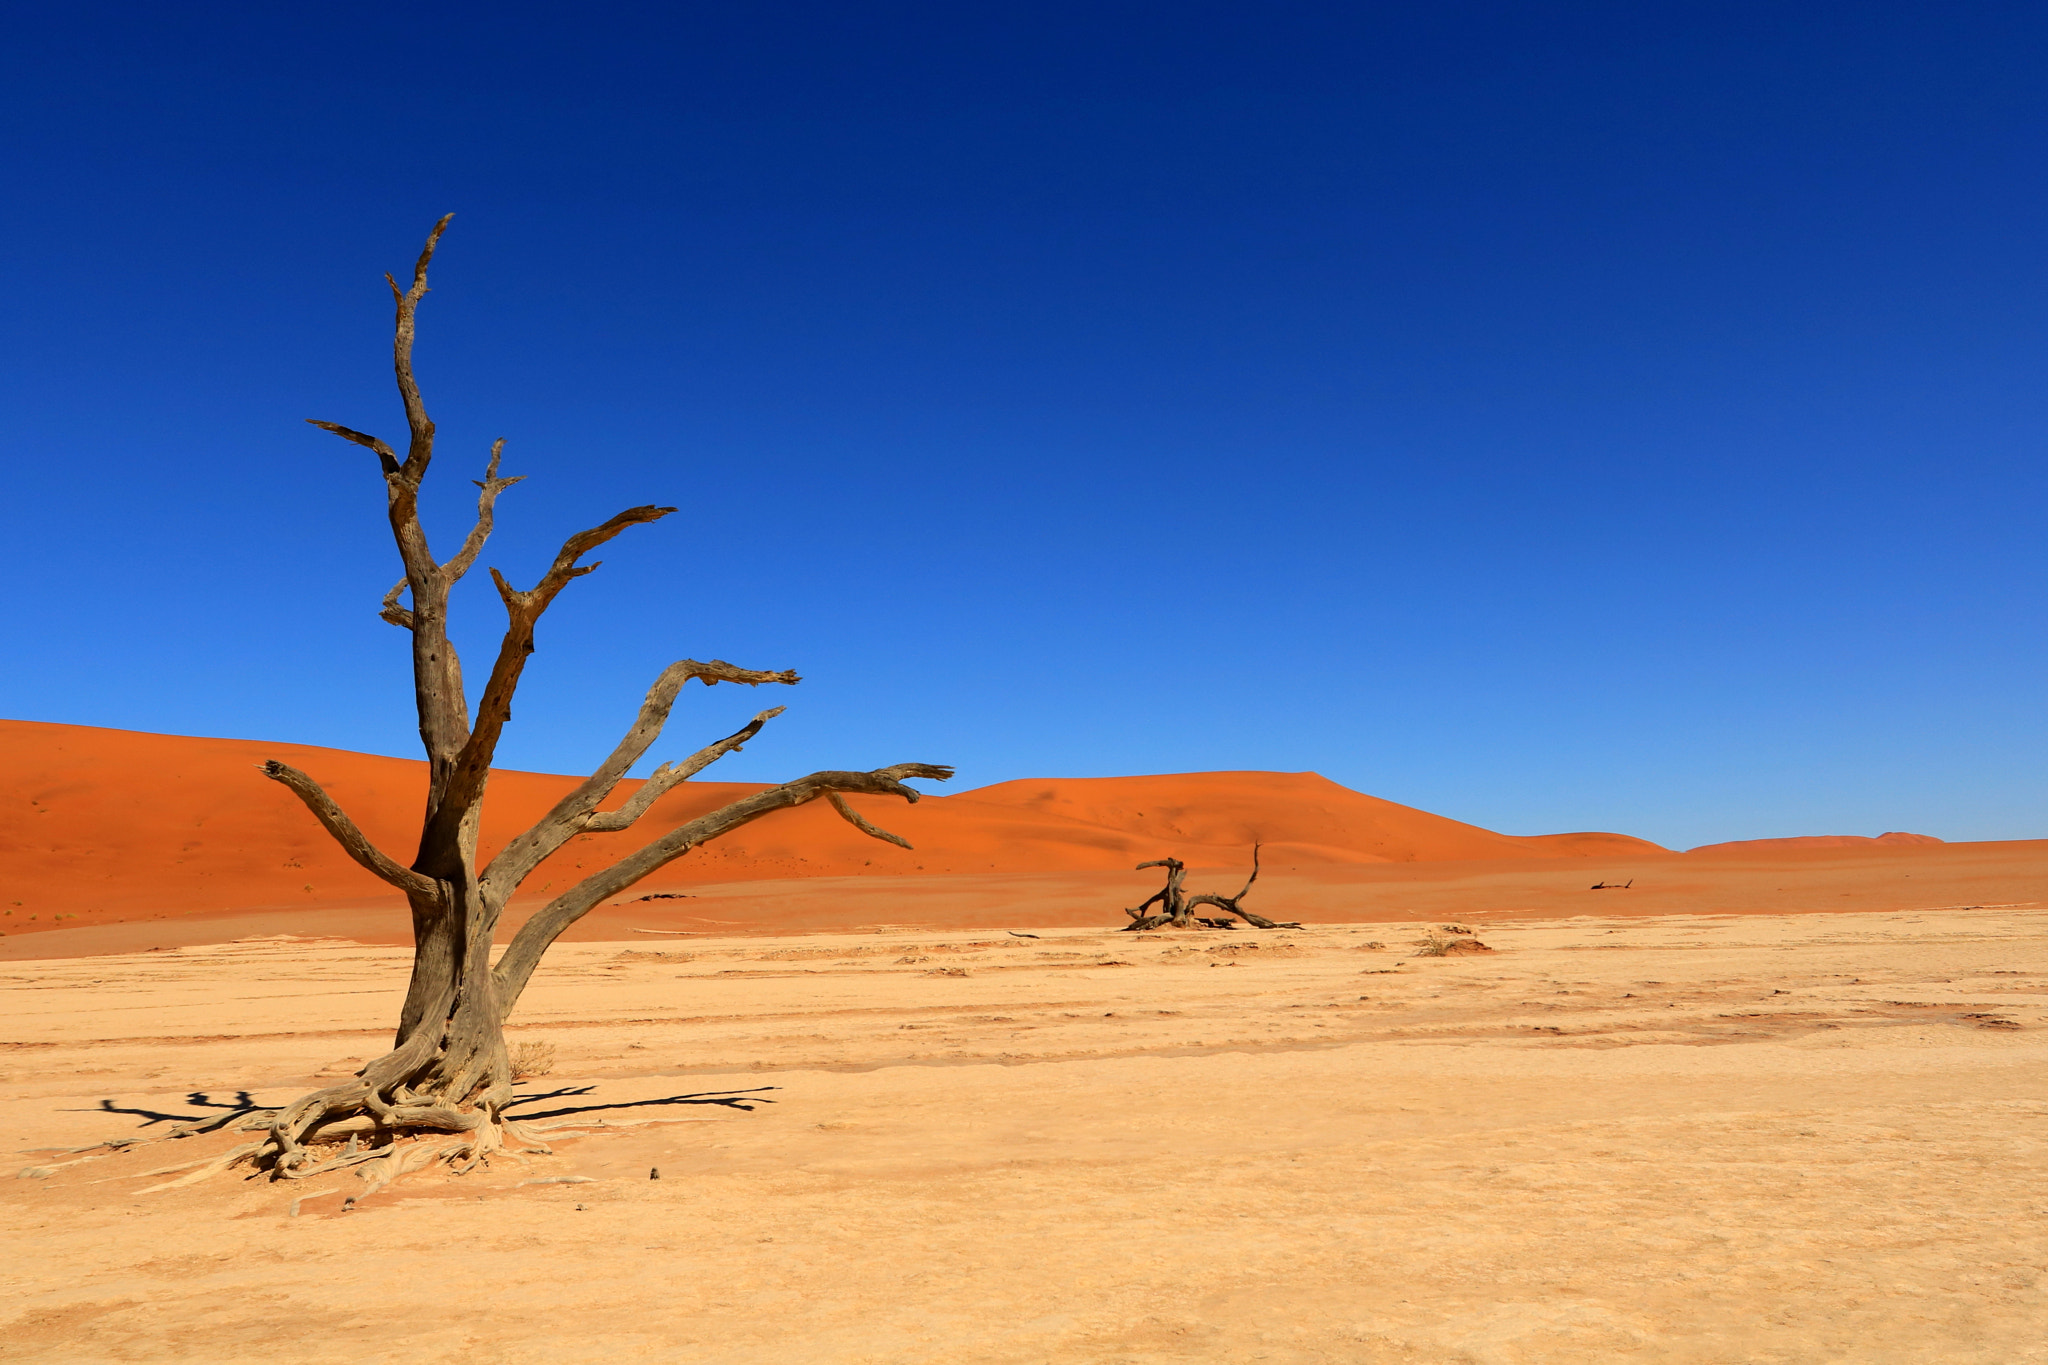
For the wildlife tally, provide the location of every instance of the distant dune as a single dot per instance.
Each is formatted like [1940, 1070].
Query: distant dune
[100, 825]
[1814, 842]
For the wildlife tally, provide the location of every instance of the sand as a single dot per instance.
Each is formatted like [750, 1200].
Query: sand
[1660, 1137]
[1764, 880]
[1768, 1101]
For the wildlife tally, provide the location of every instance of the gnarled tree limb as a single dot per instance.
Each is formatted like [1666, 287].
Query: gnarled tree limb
[389, 610]
[352, 840]
[517, 965]
[665, 778]
[387, 457]
[862, 823]
[421, 449]
[451, 572]
[437, 671]
[582, 543]
[577, 812]
[470, 768]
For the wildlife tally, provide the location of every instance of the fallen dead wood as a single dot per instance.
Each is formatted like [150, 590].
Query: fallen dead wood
[1177, 908]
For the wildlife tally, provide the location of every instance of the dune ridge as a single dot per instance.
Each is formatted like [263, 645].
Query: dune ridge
[99, 825]
[1811, 842]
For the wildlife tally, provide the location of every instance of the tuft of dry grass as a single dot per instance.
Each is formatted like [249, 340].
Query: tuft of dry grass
[1437, 945]
[532, 1059]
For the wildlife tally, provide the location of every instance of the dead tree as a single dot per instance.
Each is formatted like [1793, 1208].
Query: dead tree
[1177, 908]
[447, 1073]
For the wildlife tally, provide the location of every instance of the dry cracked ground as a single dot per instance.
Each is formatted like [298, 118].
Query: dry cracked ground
[1788, 1138]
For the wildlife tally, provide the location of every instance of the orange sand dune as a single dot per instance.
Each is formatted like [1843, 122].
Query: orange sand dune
[1810, 842]
[1477, 892]
[1299, 815]
[111, 825]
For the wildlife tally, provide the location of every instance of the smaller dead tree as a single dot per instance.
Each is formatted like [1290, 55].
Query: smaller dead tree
[1177, 908]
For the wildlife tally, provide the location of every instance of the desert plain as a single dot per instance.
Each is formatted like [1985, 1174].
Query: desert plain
[1776, 1102]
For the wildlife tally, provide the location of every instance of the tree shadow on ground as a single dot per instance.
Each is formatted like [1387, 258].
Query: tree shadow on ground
[730, 1099]
[228, 1111]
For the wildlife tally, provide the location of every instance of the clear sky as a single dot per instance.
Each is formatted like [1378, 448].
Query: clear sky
[1617, 416]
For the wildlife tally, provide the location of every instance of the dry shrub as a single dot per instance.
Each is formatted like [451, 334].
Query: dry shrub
[532, 1059]
[1436, 945]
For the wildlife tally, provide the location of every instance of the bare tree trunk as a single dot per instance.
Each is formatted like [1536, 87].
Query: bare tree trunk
[447, 1070]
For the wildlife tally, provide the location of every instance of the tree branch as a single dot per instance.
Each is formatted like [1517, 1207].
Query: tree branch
[486, 500]
[429, 590]
[665, 778]
[861, 823]
[352, 840]
[577, 812]
[389, 610]
[421, 449]
[533, 939]
[452, 572]
[472, 765]
[385, 455]
[582, 543]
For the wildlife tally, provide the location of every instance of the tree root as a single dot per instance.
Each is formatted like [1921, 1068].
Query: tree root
[401, 1151]
[208, 1167]
[314, 1137]
[96, 1151]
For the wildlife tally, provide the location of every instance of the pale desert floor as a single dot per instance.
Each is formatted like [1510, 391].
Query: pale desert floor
[1783, 1138]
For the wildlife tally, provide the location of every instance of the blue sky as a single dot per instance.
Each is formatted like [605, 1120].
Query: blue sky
[1557, 417]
